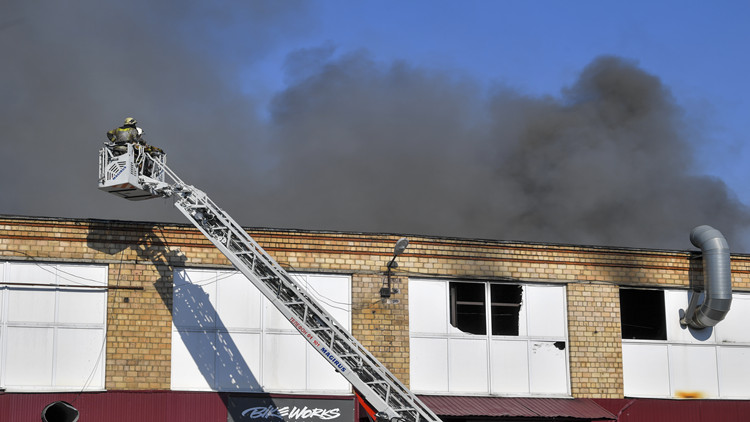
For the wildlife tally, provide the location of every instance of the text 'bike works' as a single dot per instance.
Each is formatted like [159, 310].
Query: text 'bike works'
[292, 413]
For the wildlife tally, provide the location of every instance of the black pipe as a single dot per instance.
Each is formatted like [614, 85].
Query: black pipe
[60, 411]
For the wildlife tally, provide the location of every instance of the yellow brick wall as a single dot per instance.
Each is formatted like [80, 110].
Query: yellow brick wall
[382, 328]
[595, 340]
[141, 259]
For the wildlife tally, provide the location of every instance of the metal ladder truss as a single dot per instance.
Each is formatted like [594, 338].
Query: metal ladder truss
[382, 390]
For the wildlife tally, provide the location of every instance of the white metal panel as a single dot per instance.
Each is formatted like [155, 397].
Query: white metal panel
[193, 360]
[523, 314]
[29, 357]
[546, 311]
[467, 365]
[194, 299]
[238, 361]
[548, 373]
[3, 293]
[82, 306]
[645, 370]
[197, 277]
[284, 366]
[273, 319]
[79, 358]
[334, 294]
[31, 304]
[2, 323]
[734, 372]
[239, 301]
[429, 365]
[734, 328]
[428, 306]
[693, 370]
[322, 377]
[22, 272]
[510, 367]
[235, 361]
[87, 275]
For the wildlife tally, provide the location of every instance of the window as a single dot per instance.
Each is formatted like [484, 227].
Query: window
[52, 326]
[226, 336]
[468, 308]
[642, 314]
[505, 305]
[477, 337]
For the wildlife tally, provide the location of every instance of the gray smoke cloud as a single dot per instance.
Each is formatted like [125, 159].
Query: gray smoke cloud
[394, 147]
[73, 70]
[350, 143]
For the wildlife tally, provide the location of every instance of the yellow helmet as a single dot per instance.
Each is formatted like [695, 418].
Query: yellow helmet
[130, 121]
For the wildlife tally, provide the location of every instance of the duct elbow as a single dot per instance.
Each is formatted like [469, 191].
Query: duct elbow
[717, 278]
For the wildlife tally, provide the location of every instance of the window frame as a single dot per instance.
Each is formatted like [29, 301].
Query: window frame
[493, 344]
[271, 329]
[661, 331]
[60, 284]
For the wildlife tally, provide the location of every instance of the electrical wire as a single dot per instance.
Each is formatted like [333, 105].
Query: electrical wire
[327, 300]
[332, 303]
[90, 378]
[44, 266]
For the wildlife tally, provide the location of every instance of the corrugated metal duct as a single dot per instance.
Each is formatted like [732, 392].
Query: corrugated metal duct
[717, 279]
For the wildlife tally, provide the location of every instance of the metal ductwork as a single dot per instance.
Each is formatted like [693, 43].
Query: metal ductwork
[717, 280]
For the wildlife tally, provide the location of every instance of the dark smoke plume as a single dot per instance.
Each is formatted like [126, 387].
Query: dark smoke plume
[392, 147]
[350, 143]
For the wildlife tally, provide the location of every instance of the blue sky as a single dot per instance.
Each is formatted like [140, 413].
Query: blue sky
[303, 114]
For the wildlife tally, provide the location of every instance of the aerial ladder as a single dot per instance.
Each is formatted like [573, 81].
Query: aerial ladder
[136, 174]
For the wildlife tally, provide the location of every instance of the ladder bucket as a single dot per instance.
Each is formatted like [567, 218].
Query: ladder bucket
[123, 170]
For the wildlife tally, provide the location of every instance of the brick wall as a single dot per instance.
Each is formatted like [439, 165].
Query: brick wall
[595, 340]
[382, 328]
[141, 259]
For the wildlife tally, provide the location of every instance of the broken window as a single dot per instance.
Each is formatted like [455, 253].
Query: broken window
[506, 304]
[642, 314]
[468, 308]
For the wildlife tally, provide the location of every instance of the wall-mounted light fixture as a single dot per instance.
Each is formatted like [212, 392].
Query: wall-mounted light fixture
[386, 291]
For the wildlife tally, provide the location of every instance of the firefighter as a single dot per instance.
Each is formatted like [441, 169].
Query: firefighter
[125, 134]
[128, 132]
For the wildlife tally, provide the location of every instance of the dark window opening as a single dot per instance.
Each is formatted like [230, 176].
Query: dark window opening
[642, 314]
[506, 304]
[467, 307]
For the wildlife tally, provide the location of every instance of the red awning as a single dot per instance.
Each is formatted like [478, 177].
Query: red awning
[584, 409]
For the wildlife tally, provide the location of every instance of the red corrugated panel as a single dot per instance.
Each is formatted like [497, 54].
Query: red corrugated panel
[117, 406]
[475, 406]
[646, 410]
[126, 406]
[583, 409]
